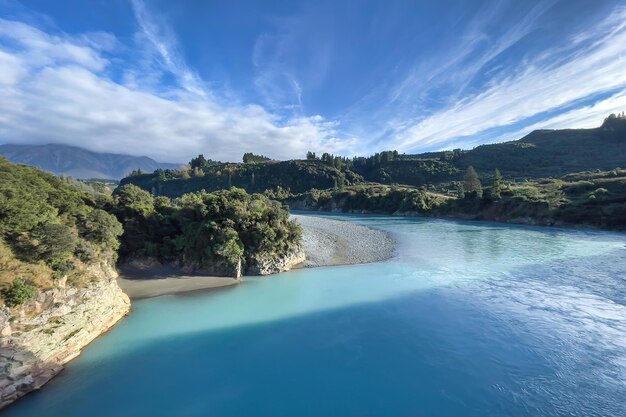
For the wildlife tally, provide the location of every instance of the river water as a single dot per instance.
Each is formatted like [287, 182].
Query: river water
[468, 319]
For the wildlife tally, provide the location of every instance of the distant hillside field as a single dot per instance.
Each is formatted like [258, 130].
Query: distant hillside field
[80, 163]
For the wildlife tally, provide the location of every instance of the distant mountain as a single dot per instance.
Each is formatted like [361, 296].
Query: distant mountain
[78, 162]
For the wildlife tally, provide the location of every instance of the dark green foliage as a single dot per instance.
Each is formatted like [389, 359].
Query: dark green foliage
[553, 153]
[371, 198]
[18, 292]
[250, 158]
[44, 218]
[414, 172]
[136, 172]
[61, 266]
[134, 200]
[198, 162]
[496, 186]
[54, 241]
[102, 228]
[586, 198]
[541, 154]
[296, 176]
[471, 184]
[200, 230]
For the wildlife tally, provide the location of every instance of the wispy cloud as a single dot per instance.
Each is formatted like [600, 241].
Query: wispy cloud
[58, 88]
[489, 78]
[287, 60]
[163, 43]
[274, 80]
[586, 65]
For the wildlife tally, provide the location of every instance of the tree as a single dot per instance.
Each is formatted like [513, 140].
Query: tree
[160, 173]
[231, 250]
[471, 183]
[18, 292]
[54, 241]
[102, 228]
[133, 199]
[250, 158]
[198, 162]
[496, 188]
[311, 155]
[460, 191]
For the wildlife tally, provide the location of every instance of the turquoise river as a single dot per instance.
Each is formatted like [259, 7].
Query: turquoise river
[468, 319]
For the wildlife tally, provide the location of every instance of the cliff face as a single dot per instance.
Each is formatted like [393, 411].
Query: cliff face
[266, 265]
[37, 339]
[262, 264]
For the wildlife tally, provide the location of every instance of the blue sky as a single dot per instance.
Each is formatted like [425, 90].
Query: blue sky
[171, 79]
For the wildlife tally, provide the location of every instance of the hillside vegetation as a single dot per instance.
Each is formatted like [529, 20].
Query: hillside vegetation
[216, 233]
[255, 177]
[49, 230]
[595, 199]
[541, 154]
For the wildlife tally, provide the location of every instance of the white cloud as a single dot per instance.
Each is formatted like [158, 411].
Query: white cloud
[58, 89]
[162, 42]
[580, 118]
[39, 49]
[90, 90]
[12, 69]
[481, 86]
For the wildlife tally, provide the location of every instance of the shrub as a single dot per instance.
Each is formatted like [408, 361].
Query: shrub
[54, 241]
[134, 200]
[18, 292]
[60, 266]
[102, 228]
[86, 251]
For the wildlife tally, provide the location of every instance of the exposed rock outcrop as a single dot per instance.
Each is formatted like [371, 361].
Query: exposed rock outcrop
[43, 335]
[141, 266]
[273, 264]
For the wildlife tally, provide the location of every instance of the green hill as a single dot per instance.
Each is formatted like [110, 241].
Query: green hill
[553, 153]
[296, 176]
[48, 230]
[541, 154]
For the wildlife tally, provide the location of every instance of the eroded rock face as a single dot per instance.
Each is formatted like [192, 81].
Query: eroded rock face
[42, 336]
[272, 264]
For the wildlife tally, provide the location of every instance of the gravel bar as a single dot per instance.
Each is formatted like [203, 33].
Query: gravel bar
[328, 242]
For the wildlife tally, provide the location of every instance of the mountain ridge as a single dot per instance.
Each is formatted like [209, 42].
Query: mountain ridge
[78, 162]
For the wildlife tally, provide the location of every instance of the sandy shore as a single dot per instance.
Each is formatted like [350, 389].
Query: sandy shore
[162, 281]
[326, 242]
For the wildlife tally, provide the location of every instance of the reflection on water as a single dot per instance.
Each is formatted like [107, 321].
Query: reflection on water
[468, 319]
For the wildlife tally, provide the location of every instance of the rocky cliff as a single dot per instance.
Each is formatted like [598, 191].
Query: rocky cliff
[261, 264]
[272, 264]
[39, 338]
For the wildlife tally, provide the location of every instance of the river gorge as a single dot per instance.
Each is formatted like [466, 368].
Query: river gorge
[467, 318]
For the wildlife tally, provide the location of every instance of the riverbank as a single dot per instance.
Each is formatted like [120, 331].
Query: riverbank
[325, 242]
[40, 337]
[328, 242]
[141, 287]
